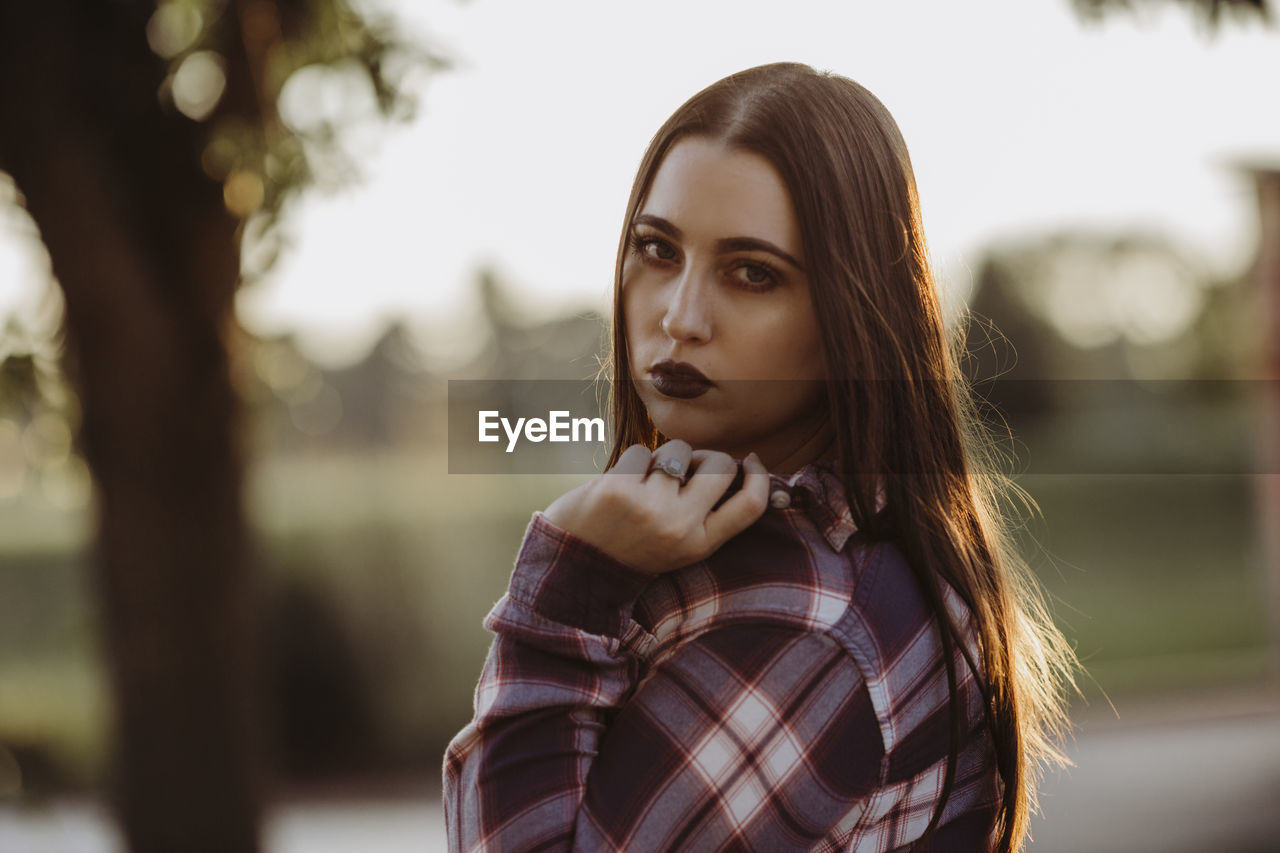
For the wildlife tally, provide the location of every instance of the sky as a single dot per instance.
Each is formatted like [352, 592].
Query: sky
[1020, 118]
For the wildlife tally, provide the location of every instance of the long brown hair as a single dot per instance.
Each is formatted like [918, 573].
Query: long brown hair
[896, 395]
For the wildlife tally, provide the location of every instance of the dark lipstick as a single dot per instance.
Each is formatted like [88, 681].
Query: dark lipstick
[679, 379]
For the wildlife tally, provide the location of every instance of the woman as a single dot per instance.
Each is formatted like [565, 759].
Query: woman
[787, 617]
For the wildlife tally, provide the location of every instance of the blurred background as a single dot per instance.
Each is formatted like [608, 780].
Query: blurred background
[440, 199]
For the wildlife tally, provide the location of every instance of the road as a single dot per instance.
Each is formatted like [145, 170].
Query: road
[1176, 775]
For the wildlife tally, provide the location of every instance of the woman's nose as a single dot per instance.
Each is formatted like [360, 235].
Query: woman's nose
[688, 314]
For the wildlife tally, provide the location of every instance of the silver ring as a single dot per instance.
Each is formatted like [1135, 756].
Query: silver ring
[670, 466]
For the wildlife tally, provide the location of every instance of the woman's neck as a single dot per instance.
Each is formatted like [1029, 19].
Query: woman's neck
[819, 445]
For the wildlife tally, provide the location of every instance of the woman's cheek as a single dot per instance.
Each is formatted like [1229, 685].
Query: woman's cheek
[641, 321]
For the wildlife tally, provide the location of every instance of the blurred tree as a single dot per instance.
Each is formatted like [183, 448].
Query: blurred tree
[146, 143]
[1211, 10]
[1009, 349]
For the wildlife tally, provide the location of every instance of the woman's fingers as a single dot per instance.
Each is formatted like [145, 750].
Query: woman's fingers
[740, 511]
[713, 472]
[634, 460]
[674, 453]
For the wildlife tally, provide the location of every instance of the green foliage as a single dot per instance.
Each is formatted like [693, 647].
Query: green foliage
[261, 145]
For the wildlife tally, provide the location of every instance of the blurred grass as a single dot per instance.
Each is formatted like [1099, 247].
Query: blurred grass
[1158, 580]
[1143, 565]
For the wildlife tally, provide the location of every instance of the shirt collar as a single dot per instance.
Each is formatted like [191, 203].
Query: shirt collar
[817, 490]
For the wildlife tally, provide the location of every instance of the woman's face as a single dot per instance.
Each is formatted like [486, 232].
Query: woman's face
[714, 280]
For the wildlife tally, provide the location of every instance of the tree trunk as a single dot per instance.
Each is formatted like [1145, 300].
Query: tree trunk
[148, 260]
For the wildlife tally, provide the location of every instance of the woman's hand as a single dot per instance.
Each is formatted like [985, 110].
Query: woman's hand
[652, 521]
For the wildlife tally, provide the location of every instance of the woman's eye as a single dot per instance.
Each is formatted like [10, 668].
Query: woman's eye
[662, 250]
[653, 248]
[756, 276]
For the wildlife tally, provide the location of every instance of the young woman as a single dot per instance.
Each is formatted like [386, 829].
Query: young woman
[788, 616]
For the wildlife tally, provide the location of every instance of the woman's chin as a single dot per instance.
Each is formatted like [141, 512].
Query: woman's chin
[701, 431]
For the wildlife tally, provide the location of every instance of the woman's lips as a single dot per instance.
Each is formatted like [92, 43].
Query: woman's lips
[679, 379]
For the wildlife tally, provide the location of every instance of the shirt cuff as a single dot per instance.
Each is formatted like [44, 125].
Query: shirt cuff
[568, 580]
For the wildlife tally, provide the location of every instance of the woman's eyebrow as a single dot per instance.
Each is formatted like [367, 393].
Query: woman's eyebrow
[726, 244]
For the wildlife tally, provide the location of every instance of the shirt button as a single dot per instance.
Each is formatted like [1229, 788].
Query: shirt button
[780, 499]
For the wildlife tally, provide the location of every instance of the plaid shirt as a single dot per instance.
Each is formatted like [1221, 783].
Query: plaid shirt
[787, 693]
